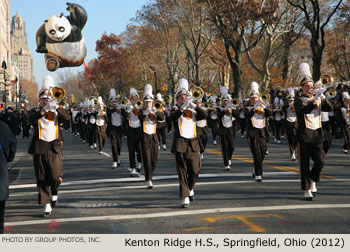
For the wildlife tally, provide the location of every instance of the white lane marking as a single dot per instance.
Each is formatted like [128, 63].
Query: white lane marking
[141, 178]
[111, 188]
[177, 213]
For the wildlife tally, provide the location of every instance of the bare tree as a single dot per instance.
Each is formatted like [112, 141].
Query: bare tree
[317, 15]
[239, 24]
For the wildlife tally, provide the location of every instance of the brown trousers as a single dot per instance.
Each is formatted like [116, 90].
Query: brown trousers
[187, 167]
[305, 151]
[149, 151]
[258, 147]
[101, 137]
[227, 144]
[48, 172]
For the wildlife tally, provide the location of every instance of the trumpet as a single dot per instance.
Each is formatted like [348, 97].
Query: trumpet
[197, 93]
[157, 106]
[125, 102]
[264, 97]
[57, 93]
[167, 99]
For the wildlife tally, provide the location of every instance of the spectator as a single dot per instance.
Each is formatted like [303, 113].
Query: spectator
[8, 144]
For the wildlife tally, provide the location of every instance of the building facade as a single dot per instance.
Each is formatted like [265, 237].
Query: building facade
[5, 51]
[21, 55]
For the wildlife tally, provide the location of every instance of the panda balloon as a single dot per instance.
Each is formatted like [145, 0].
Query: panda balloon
[61, 40]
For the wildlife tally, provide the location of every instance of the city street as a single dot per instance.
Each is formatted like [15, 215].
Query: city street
[96, 199]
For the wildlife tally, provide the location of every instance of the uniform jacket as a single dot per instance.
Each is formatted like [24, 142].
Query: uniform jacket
[223, 130]
[38, 146]
[251, 130]
[308, 135]
[179, 143]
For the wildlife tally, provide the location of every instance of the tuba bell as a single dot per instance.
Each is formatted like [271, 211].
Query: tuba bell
[197, 93]
[331, 93]
[57, 93]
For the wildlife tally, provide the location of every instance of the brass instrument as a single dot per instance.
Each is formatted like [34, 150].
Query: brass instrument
[331, 93]
[206, 106]
[57, 93]
[125, 102]
[157, 106]
[235, 102]
[264, 97]
[138, 104]
[167, 99]
[197, 93]
[326, 79]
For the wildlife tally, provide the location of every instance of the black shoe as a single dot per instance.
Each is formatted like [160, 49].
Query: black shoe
[185, 205]
[258, 180]
[314, 193]
[53, 203]
[46, 214]
[191, 198]
[309, 198]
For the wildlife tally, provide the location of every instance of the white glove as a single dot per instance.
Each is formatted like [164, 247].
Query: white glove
[193, 105]
[129, 108]
[186, 103]
[319, 91]
[146, 111]
[281, 103]
[121, 106]
[322, 97]
[348, 122]
[51, 105]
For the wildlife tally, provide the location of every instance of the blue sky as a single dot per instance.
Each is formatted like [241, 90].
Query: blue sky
[110, 16]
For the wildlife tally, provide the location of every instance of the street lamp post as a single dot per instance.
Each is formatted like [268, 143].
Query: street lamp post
[4, 66]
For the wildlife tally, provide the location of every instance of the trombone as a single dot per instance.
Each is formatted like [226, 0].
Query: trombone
[57, 93]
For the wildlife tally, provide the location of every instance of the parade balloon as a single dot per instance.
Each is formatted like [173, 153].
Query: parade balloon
[61, 40]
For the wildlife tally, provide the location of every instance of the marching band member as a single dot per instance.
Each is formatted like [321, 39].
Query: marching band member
[213, 120]
[90, 118]
[289, 111]
[185, 143]
[242, 120]
[74, 122]
[115, 126]
[149, 139]
[101, 119]
[310, 135]
[227, 114]
[345, 120]
[326, 127]
[257, 133]
[46, 146]
[202, 131]
[278, 113]
[133, 132]
[161, 125]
